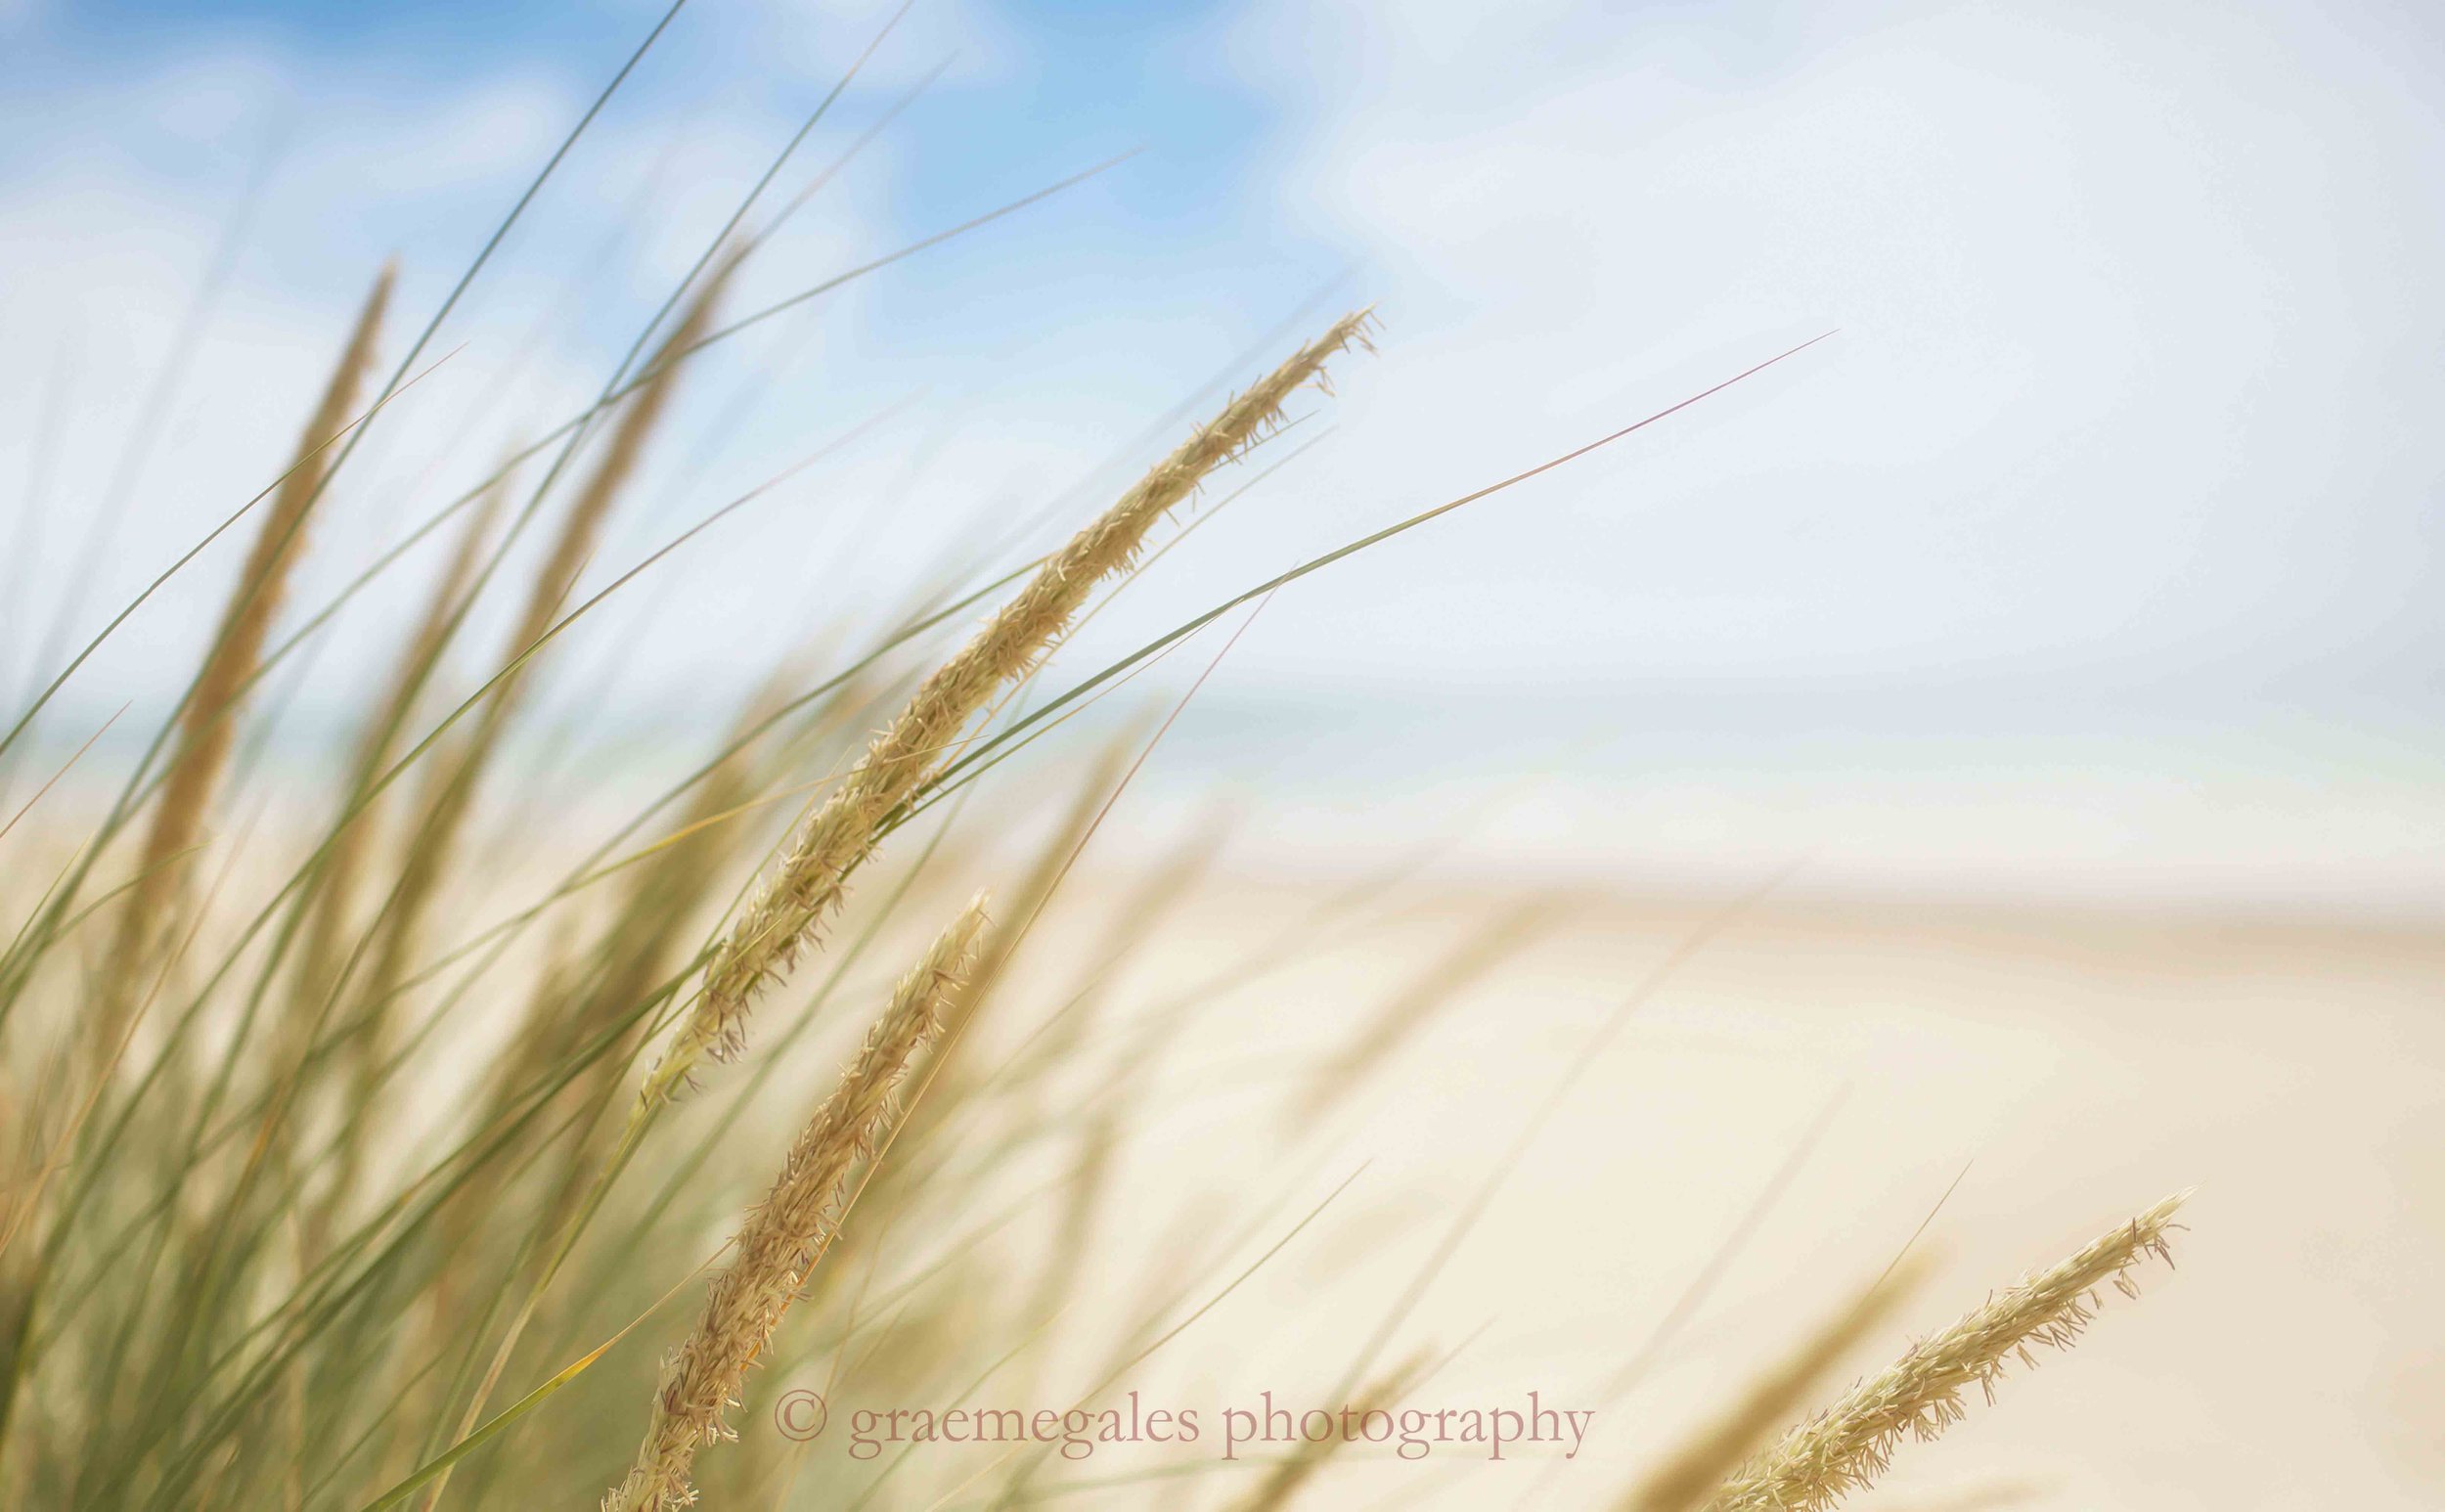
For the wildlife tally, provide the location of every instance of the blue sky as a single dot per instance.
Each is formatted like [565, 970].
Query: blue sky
[1032, 93]
[2132, 397]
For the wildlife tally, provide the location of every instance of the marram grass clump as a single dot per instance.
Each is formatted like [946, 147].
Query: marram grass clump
[345, 1166]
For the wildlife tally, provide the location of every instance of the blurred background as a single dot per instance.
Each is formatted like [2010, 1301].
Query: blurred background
[2062, 632]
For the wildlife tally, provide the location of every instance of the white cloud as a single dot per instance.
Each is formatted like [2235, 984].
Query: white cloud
[2116, 288]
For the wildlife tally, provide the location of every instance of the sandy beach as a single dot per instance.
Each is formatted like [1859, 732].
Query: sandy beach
[1772, 1125]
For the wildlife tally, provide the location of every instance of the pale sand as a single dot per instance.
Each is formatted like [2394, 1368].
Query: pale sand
[2082, 1065]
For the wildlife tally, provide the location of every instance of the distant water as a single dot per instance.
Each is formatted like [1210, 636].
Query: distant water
[2328, 807]
[2274, 806]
